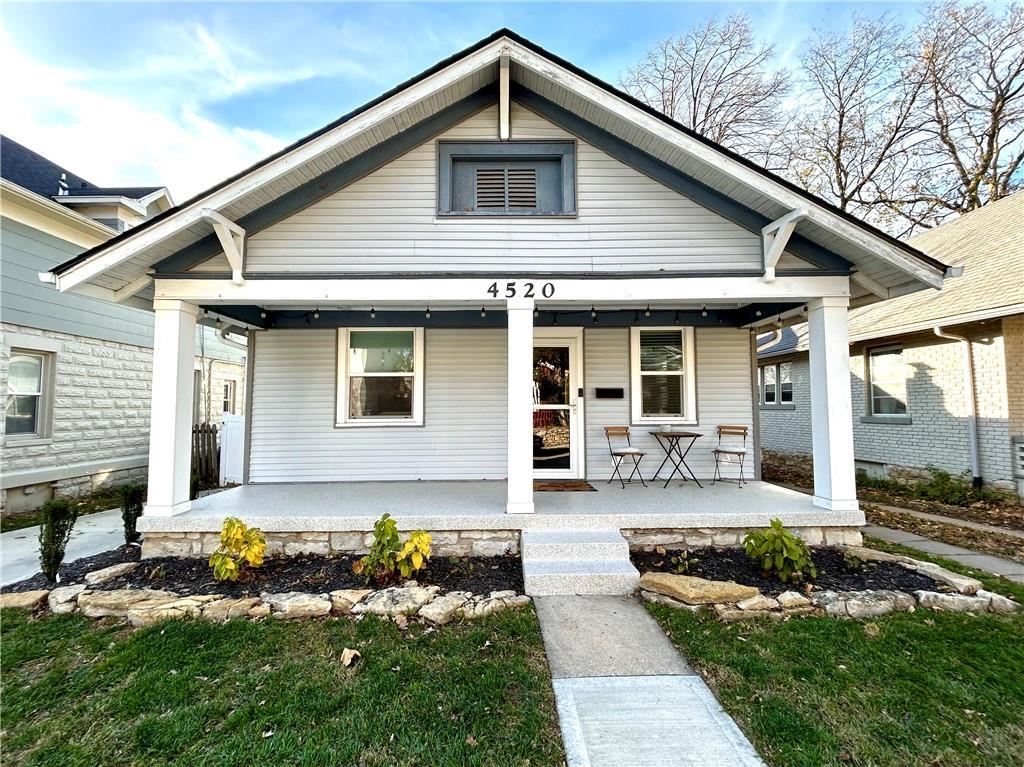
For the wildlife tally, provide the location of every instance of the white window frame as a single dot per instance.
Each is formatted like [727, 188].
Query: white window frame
[870, 377]
[44, 411]
[341, 417]
[762, 385]
[689, 417]
[230, 386]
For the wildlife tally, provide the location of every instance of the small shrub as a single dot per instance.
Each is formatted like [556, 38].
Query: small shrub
[56, 520]
[388, 554]
[780, 552]
[241, 547]
[682, 562]
[131, 509]
[940, 487]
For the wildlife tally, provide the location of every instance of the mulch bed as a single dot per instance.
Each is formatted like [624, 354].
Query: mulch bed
[834, 572]
[307, 573]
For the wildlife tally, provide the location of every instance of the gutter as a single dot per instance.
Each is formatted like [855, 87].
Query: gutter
[972, 404]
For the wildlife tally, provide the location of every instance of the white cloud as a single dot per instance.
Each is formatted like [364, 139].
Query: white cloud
[114, 129]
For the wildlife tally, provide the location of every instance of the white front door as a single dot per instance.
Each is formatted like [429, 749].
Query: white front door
[557, 403]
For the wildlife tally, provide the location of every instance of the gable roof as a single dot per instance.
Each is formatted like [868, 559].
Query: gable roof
[123, 259]
[988, 243]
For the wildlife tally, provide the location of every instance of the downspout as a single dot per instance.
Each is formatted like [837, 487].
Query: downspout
[972, 404]
[775, 338]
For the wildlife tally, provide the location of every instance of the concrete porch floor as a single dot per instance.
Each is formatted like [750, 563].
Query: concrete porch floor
[342, 506]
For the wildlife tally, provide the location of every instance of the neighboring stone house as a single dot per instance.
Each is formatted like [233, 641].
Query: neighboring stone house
[912, 390]
[76, 368]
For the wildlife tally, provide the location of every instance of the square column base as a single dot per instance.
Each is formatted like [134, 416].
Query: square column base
[150, 510]
[836, 505]
[519, 508]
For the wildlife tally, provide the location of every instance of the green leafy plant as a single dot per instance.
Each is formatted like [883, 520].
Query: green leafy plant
[389, 555]
[682, 562]
[781, 553]
[131, 509]
[241, 548]
[56, 520]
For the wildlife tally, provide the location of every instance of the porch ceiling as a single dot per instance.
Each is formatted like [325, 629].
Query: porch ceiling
[345, 506]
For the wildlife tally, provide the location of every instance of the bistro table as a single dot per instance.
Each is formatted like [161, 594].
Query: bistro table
[669, 441]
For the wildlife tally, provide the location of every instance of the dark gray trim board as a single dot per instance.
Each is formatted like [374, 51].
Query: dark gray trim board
[334, 179]
[661, 274]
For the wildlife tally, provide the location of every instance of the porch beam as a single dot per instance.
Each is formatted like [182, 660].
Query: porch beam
[324, 289]
[170, 425]
[831, 411]
[132, 288]
[520, 405]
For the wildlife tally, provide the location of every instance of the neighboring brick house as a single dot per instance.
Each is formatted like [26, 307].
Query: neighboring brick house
[911, 408]
[77, 369]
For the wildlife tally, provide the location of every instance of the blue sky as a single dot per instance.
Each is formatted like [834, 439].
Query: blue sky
[185, 94]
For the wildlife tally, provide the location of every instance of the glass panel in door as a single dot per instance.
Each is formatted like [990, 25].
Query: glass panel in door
[552, 413]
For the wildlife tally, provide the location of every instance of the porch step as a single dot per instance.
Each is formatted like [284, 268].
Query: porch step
[577, 562]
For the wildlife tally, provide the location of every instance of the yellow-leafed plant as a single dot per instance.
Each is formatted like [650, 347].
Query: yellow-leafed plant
[241, 547]
[388, 553]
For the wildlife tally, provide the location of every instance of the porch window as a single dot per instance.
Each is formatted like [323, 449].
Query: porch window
[380, 377]
[662, 381]
[887, 382]
[776, 385]
[27, 401]
[228, 405]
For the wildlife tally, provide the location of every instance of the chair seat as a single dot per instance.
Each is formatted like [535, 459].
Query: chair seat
[730, 450]
[628, 451]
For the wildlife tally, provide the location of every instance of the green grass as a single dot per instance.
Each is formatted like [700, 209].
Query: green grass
[906, 690]
[79, 692]
[102, 500]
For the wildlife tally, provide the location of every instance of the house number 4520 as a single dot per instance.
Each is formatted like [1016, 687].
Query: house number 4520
[525, 289]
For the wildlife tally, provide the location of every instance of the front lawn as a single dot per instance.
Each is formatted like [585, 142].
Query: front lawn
[906, 690]
[102, 500]
[80, 692]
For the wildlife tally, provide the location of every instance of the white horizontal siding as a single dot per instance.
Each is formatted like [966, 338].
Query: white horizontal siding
[723, 397]
[293, 399]
[386, 221]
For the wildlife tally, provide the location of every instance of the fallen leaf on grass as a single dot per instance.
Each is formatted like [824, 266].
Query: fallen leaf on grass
[349, 656]
[872, 629]
[268, 734]
[470, 740]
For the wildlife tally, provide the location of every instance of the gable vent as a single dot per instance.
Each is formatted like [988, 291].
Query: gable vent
[503, 188]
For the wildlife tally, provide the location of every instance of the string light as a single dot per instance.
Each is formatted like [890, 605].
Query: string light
[316, 313]
[373, 313]
[647, 311]
[427, 315]
[483, 311]
[554, 318]
[593, 313]
[703, 310]
[263, 314]
[676, 320]
[536, 313]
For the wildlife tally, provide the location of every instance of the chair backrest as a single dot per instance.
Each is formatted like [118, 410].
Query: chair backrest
[732, 431]
[619, 432]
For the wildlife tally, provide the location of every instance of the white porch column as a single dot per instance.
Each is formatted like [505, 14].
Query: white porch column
[520, 406]
[170, 425]
[831, 412]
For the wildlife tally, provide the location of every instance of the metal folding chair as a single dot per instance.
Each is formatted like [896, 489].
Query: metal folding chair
[619, 454]
[730, 455]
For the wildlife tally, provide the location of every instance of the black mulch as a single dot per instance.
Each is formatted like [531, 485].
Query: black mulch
[316, 574]
[834, 572]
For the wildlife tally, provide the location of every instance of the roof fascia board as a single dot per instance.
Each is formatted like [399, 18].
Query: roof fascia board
[101, 199]
[606, 98]
[333, 180]
[85, 232]
[71, 273]
[672, 177]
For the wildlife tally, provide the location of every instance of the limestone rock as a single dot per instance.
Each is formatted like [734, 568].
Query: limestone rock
[791, 599]
[65, 598]
[729, 614]
[297, 604]
[23, 598]
[261, 610]
[997, 603]
[696, 591]
[758, 602]
[186, 607]
[481, 607]
[397, 600]
[865, 554]
[963, 584]
[226, 609]
[832, 603]
[97, 604]
[874, 602]
[954, 603]
[343, 600]
[660, 599]
[502, 594]
[109, 573]
[442, 610]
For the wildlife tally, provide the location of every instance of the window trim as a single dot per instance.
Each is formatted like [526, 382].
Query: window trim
[44, 414]
[504, 151]
[341, 383]
[689, 373]
[232, 385]
[870, 415]
[778, 404]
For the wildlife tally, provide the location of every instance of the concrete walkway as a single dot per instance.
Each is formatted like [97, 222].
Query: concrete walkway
[92, 534]
[954, 521]
[625, 697]
[969, 558]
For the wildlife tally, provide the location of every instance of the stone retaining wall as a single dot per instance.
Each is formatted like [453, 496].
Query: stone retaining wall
[695, 538]
[444, 543]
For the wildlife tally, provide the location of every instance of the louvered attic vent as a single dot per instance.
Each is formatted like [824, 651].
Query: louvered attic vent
[506, 188]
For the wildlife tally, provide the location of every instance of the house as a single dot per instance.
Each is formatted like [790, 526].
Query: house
[937, 379]
[452, 290]
[76, 368]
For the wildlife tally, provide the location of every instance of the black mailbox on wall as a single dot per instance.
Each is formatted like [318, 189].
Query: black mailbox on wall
[608, 393]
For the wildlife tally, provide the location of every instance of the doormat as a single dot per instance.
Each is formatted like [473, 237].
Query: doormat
[564, 485]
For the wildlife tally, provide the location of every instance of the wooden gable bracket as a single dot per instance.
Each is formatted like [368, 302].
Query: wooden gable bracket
[131, 289]
[504, 106]
[872, 285]
[232, 240]
[776, 236]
